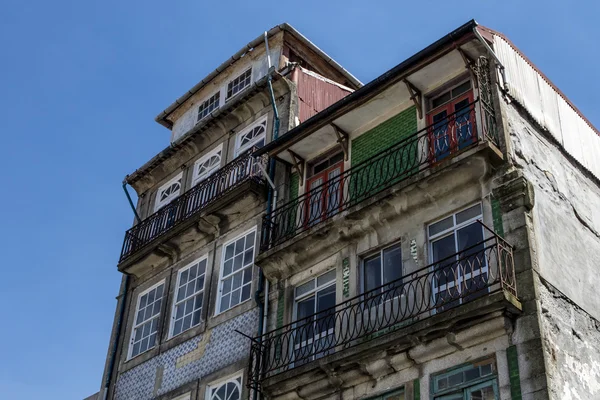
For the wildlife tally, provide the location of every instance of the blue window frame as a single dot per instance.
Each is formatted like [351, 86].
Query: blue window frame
[474, 381]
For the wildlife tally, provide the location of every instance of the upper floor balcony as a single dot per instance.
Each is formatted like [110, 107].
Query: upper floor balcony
[429, 149]
[464, 286]
[223, 187]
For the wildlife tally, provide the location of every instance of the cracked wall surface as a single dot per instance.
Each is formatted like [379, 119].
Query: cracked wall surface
[572, 341]
[566, 214]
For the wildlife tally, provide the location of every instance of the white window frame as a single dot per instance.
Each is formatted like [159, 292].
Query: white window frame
[222, 269]
[455, 227]
[227, 97]
[237, 378]
[196, 178]
[158, 204]
[185, 396]
[194, 294]
[206, 105]
[157, 316]
[238, 138]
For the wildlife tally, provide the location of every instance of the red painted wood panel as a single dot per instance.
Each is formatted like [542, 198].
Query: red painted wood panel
[316, 94]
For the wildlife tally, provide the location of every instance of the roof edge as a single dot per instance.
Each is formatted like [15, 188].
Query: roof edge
[161, 118]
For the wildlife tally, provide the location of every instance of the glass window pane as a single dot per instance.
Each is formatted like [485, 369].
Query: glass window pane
[482, 393]
[392, 264]
[326, 278]
[460, 89]
[468, 237]
[469, 213]
[372, 273]
[443, 248]
[441, 226]
[305, 288]
[305, 308]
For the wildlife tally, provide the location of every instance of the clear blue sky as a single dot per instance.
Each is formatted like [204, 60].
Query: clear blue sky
[80, 84]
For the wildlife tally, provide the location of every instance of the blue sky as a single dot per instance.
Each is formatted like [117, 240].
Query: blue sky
[80, 84]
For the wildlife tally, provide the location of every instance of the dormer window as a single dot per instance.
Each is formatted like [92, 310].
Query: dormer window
[207, 165]
[167, 192]
[208, 106]
[239, 83]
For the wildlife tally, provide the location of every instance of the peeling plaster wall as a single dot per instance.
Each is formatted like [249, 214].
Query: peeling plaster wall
[566, 214]
[572, 341]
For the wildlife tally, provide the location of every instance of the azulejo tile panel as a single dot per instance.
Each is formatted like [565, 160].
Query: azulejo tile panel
[224, 347]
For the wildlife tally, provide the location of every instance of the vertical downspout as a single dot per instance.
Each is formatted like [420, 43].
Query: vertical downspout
[271, 198]
[121, 312]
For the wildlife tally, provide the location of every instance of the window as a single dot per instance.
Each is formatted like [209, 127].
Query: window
[315, 315]
[187, 306]
[395, 395]
[186, 396]
[207, 165]
[145, 327]
[208, 106]
[326, 191]
[451, 121]
[383, 268]
[167, 192]
[456, 248]
[475, 381]
[236, 271]
[238, 84]
[253, 136]
[228, 390]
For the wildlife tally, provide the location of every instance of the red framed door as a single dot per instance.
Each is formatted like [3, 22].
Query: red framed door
[451, 127]
[325, 194]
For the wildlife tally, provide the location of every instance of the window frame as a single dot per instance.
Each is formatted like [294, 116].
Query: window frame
[452, 231]
[373, 254]
[387, 395]
[134, 326]
[194, 294]
[230, 82]
[158, 204]
[206, 104]
[196, 178]
[222, 269]
[465, 387]
[218, 383]
[239, 149]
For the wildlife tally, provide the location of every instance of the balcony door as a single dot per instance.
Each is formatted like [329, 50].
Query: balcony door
[458, 256]
[314, 303]
[325, 189]
[451, 122]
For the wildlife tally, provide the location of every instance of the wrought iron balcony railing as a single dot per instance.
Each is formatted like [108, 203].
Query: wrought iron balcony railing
[242, 169]
[405, 159]
[479, 270]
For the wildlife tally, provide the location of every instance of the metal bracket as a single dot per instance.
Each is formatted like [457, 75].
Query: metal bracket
[342, 139]
[469, 64]
[415, 96]
[299, 165]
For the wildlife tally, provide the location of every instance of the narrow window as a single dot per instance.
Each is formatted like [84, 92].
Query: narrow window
[383, 270]
[325, 189]
[315, 317]
[208, 106]
[457, 250]
[476, 381]
[187, 310]
[145, 327]
[236, 271]
[207, 165]
[239, 83]
[253, 136]
[231, 389]
[167, 192]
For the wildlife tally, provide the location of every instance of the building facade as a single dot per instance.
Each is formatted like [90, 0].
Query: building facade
[188, 296]
[432, 234]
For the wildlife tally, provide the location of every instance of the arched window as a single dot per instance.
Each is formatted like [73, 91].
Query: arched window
[207, 165]
[167, 192]
[228, 390]
[253, 136]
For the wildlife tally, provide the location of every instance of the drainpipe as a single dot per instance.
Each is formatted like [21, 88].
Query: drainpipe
[122, 299]
[271, 199]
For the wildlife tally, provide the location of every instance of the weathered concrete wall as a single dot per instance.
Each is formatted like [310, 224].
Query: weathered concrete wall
[572, 343]
[566, 214]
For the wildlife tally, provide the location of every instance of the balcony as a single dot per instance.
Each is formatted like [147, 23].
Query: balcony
[430, 148]
[229, 180]
[483, 272]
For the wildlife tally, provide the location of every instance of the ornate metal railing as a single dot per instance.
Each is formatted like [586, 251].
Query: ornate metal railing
[405, 159]
[232, 175]
[476, 271]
